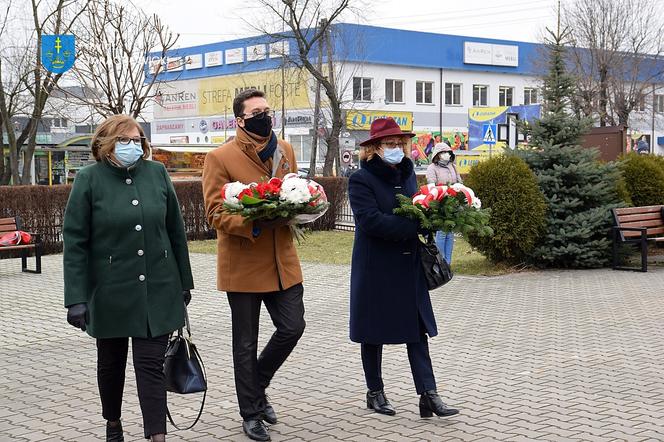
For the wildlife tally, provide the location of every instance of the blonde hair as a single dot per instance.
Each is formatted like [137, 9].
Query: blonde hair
[370, 150]
[106, 135]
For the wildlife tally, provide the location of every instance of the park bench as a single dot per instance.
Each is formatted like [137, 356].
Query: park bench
[13, 224]
[637, 225]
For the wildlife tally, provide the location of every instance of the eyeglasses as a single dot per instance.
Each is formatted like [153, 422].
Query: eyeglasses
[393, 145]
[126, 140]
[259, 115]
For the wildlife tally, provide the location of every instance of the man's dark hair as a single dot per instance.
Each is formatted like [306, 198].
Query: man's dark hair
[238, 102]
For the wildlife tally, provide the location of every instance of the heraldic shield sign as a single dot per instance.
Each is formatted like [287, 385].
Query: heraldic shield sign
[58, 52]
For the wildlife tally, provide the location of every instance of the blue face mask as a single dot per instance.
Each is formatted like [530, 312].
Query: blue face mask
[393, 156]
[128, 154]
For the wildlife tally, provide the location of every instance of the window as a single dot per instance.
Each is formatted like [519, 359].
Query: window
[302, 147]
[59, 123]
[659, 103]
[361, 89]
[424, 92]
[505, 96]
[453, 94]
[394, 91]
[480, 95]
[529, 95]
[641, 103]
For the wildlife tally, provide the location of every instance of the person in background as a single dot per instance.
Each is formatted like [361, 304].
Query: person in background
[389, 300]
[442, 172]
[126, 268]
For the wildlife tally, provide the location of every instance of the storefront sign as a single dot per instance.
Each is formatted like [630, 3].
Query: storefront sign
[194, 61]
[490, 54]
[213, 58]
[256, 52]
[174, 63]
[182, 139]
[216, 94]
[170, 126]
[218, 124]
[176, 99]
[279, 49]
[234, 55]
[218, 140]
[361, 120]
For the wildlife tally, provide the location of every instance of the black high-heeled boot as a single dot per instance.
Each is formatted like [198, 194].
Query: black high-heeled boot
[114, 432]
[431, 403]
[377, 401]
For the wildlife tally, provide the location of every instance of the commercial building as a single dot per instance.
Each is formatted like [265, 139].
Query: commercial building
[433, 84]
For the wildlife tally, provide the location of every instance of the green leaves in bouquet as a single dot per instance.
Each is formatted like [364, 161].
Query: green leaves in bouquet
[448, 215]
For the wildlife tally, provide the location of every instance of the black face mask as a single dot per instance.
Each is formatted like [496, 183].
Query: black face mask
[261, 127]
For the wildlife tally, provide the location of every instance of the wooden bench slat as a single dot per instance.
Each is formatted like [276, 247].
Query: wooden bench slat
[633, 210]
[8, 228]
[638, 217]
[645, 223]
[22, 246]
[650, 232]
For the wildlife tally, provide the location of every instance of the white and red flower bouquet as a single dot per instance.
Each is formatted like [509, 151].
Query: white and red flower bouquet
[452, 208]
[299, 199]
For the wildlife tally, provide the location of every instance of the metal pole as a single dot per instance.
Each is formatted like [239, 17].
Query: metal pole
[651, 147]
[225, 123]
[50, 171]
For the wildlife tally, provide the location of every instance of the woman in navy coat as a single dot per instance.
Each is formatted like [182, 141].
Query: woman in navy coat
[389, 300]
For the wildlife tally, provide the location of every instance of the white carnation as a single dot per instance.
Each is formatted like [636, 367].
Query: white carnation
[233, 190]
[295, 190]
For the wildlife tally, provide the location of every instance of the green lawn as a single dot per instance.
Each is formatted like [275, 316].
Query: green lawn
[336, 247]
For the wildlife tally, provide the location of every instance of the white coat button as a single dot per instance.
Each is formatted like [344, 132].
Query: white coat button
[128, 181]
[134, 202]
[140, 252]
[138, 227]
[141, 277]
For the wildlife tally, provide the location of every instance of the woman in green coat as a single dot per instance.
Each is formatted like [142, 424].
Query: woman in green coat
[126, 268]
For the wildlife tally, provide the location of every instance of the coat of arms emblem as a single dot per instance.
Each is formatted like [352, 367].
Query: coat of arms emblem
[58, 52]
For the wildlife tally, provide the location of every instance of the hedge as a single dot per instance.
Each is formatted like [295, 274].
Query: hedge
[42, 208]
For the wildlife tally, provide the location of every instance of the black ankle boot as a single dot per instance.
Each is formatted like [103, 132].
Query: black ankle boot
[431, 403]
[377, 401]
[255, 429]
[114, 432]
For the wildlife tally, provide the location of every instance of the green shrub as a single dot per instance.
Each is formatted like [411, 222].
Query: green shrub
[644, 178]
[506, 185]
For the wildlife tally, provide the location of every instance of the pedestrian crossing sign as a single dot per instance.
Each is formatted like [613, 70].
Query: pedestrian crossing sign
[490, 132]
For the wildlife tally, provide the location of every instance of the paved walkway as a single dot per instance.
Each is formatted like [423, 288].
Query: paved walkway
[556, 356]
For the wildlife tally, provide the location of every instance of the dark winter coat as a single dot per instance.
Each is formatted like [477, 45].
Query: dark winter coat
[125, 250]
[388, 296]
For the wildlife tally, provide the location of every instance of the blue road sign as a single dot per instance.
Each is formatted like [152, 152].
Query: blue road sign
[490, 132]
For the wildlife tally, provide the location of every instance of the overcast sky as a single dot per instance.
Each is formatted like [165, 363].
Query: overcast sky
[208, 21]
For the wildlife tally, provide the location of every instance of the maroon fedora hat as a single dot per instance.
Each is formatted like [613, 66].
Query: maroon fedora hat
[385, 127]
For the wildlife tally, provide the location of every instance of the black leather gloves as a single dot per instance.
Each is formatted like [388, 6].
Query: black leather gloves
[77, 315]
[186, 294]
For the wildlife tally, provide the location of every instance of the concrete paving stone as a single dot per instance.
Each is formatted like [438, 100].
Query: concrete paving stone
[555, 355]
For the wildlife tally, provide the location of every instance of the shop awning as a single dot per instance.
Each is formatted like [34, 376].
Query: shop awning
[78, 141]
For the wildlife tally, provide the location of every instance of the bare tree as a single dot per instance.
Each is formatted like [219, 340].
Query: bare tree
[308, 23]
[116, 43]
[46, 17]
[617, 55]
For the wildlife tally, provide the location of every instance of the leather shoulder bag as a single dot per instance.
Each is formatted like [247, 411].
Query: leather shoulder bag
[436, 270]
[183, 368]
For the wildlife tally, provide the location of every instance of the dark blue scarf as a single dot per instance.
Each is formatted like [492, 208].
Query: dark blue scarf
[268, 152]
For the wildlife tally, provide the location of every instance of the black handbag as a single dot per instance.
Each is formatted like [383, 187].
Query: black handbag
[183, 368]
[436, 270]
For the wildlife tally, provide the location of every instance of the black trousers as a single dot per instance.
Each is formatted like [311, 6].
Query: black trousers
[148, 354]
[420, 365]
[253, 373]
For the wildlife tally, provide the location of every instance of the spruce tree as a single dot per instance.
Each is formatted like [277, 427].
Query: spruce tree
[579, 189]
